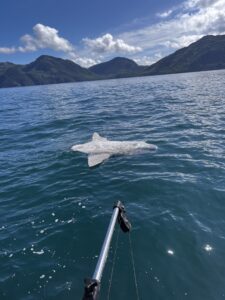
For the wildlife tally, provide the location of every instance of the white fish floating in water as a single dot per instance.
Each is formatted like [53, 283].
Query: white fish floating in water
[100, 149]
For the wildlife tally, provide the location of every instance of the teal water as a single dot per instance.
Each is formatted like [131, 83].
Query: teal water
[54, 210]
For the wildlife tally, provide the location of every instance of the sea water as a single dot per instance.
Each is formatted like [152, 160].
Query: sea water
[54, 209]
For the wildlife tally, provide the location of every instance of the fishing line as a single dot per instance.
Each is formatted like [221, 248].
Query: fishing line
[113, 263]
[132, 263]
[133, 266]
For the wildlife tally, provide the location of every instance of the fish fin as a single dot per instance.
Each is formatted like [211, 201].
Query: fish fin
[96, 159]
[97, 137]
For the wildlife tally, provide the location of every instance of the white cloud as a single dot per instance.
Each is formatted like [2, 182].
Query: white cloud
[199, 3]
[187, 22]
[209, 19]
[192, 20]
[165, 14]
[147, 60]
[85, 62]
[182, 41]
[45, 37]
[6, 50]
[107, 43]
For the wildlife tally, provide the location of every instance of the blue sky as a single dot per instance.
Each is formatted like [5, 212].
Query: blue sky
[91, 31]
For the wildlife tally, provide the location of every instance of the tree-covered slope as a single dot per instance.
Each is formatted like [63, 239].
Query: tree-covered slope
[117, 67]
[208, 53]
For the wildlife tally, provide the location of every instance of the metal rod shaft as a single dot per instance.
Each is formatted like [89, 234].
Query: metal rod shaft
[105, 247]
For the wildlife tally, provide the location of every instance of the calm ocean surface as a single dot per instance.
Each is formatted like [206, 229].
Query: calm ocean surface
[54, 210]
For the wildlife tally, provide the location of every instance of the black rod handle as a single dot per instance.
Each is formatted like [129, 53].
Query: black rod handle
[91, 289]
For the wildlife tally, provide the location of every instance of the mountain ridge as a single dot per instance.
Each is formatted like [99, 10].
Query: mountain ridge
[116, 68]
[208, 53]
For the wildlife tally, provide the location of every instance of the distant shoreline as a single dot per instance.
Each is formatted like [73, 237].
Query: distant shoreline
[94, 80]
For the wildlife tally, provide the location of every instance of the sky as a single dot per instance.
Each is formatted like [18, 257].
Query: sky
[93, 31]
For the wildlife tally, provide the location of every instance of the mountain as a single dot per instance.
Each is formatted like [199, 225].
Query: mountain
[5, 66]
[208, 53]
[44, 70]
[117, 67]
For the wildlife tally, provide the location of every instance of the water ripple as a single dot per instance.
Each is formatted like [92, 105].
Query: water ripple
[54, 209]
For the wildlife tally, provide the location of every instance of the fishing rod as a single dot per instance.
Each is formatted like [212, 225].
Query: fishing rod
[92, 285]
